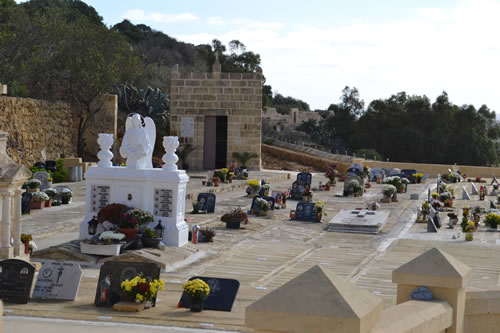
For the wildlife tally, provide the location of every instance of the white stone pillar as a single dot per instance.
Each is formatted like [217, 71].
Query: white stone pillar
[16, 222]
[6, 249]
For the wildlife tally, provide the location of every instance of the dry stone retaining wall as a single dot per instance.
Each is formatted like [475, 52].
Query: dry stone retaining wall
[35, 126]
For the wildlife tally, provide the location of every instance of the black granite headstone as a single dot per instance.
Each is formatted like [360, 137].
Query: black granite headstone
[207, 201]
[437, 220]
[26, 202]
[268, 199]
[492, 205]
[304, 178]
[222, 294]
[305, 211]
[16, 278]
[113, 273]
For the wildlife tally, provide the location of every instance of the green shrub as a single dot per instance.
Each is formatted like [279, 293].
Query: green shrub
[61, 172]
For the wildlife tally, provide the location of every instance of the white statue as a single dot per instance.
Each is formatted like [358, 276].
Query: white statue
[138, 142]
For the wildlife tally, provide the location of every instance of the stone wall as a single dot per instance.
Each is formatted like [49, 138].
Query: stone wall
[294, 116]
[35, 126]
[235, 95]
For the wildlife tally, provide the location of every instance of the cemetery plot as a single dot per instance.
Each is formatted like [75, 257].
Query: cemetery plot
[222, 294]
[301, 185]
[305, 211]
[112, 274]
[360, 221]
[58, 280]
[207, 201]
[16, 278]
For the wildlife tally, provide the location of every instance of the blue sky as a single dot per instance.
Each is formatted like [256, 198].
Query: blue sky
[312, 49]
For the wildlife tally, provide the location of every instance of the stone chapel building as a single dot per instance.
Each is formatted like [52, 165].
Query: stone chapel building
[218, 113]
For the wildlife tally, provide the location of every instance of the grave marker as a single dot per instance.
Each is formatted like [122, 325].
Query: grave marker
[113, 273]
[431, 227]
[222, 294]
[492, 205]
[16, 278]
[268, 199]
[100, 197]
[305, 211]
[58, 280]
[359, 221]
[207, 201]
[43, 177]
[26, 202]
[163, 202]
[301, 185]
[474, 189]
[465, 195]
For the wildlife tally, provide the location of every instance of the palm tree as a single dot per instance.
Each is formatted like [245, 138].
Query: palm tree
[244, 157]
[183, 152]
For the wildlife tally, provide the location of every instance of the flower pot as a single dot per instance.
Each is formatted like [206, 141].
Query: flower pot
[196, 305]
[418, 180]
[48, 203]
[100, 249]
[32, 190]
[129, 233]
[65, 200]
[203, 182]
[233, 224]
[319, 216]
[26, 247]
[283, 204]
[469, 236]
[37, 204]
[386, 200]
[150, 242]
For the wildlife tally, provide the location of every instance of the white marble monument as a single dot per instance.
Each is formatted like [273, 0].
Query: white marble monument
[161, 191]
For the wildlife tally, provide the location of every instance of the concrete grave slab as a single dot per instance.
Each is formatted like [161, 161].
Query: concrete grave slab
[360, 221]
[58, 280]
[474, 189]
[465, 194]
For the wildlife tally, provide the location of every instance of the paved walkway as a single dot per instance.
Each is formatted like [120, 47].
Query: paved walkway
[269, 252]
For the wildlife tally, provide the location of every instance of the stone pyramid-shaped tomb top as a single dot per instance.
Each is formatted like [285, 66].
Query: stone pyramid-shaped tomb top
[316, 298]
[433, 268]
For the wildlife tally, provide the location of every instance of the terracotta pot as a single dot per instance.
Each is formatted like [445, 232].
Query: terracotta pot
[48, 203]
[37, 204]
[32, 190]
[319, 216]
[129, 233]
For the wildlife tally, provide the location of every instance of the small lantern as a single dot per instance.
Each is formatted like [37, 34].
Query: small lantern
[159, 229]
[93, 226]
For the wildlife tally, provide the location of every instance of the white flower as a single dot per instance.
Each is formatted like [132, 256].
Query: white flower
[108, 225]
[111, 235]
[33, 183]
[40, 196]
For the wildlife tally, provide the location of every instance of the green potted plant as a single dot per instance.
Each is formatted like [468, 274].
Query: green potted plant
[142, 216]
[150, 238]
[234, 218]
[388, 191]
[33, 185]
[66, 195]
[418, 177]
[244, 157]
[197, 206]
[26, 239]
[492, 220]
[38, 200]
[183, 152]
[197, 291]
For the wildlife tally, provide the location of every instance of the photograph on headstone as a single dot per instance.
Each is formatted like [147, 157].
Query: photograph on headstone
[16, 278]
[305, 211]
[58, 280]
[222, 294]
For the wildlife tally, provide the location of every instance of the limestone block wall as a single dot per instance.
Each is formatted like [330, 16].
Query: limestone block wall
[294, 116]
[235, 95]
[35, 126]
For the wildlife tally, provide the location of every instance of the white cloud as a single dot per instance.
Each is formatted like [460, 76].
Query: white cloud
[141, 15]
[456, 50]
[215, 20]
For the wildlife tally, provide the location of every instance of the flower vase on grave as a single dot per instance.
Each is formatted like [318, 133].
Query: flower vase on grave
[327, 187]
[476, 218]
[32, 190]
[216, 181]
[395, 197]
[26, 247]
[469, 236]
[130, 233]
[196, 305]
[283, 203]
[319, 215]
